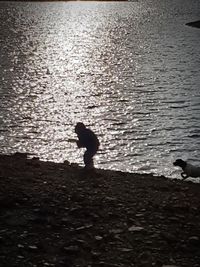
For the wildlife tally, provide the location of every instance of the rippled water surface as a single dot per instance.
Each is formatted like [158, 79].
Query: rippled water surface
[130, 71]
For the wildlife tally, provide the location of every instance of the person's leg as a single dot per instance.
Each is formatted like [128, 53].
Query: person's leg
[88, 159]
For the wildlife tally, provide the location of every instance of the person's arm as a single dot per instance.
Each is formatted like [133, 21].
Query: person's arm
[81, 141]
[79, 145]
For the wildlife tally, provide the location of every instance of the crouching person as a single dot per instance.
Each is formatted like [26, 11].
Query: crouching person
[88, 139]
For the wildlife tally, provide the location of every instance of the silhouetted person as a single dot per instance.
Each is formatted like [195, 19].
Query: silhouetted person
[88, 139]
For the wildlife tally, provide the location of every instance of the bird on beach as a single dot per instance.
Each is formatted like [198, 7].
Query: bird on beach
[189, 170]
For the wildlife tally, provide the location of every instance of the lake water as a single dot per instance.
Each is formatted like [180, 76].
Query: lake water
[129, 70]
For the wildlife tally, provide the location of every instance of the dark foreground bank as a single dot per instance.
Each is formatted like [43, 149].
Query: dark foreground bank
[58, 215]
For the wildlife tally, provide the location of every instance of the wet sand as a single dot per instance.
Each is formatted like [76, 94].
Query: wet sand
[56, 214]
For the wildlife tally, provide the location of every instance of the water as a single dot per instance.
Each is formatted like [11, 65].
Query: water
[129, 71]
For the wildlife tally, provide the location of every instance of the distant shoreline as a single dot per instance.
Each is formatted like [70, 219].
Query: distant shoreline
[195, 24]
[67, 1]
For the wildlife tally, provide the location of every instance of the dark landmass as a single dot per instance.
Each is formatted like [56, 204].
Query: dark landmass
[195, 24]
[67, 0]
[56, 214]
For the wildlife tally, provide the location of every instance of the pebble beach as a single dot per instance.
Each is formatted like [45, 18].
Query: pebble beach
[57, 214]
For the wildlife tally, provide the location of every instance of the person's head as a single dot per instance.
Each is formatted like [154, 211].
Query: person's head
[79, 127]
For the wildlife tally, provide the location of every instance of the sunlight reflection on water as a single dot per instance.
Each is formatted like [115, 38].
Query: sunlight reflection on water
[133, 80]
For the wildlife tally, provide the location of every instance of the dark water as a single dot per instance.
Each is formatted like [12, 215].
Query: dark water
[130, 71]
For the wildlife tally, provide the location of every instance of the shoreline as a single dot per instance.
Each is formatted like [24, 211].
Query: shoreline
[195, 24]
[68, 1]
[56, 214]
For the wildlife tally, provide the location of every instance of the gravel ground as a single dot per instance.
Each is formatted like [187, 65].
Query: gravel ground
[57, 214]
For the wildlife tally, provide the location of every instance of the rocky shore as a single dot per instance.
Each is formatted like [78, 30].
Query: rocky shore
[56, 214]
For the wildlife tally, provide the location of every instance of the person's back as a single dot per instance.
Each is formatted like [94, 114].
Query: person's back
[88, 139]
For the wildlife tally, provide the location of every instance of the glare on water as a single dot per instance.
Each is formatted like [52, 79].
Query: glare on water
[129, 71]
